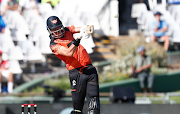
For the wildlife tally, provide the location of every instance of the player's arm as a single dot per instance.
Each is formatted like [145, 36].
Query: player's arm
[74, 29]
[77, 29]
[84, 30]
[72, 46]
[65, 51]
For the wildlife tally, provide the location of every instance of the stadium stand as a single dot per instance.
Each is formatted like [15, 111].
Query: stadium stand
[15, 67]
[170, 14]
[15, 53]
[6, 43]
[138, 9]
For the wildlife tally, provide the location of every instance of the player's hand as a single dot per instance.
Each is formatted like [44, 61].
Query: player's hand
[84, 36]
[83, 29]
[83, 32]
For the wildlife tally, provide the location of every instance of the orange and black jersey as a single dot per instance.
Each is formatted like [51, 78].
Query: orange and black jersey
[80, 57]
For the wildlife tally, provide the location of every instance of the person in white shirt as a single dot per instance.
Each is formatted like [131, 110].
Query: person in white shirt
[28, 5]
[5, 74]
[9, 5]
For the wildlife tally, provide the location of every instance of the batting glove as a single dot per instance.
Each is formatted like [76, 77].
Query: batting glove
[83, 32]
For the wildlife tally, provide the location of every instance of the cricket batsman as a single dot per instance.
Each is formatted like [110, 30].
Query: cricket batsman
[82, 74]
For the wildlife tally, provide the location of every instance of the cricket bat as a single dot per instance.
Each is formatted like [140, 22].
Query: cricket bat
[90, 29]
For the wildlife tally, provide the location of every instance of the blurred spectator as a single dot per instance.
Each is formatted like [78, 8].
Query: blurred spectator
[9, 5]
[28, 5]
[159, 28]
[52, 2]
[142, 65]
[38, 1]
[2, 25]
[5, 74]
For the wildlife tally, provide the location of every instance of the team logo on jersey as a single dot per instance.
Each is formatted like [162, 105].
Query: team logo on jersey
[74, 82]
[54, 21]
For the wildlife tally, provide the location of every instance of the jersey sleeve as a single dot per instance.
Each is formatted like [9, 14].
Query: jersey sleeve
[71, 29]
[164, 24]
[54, 47]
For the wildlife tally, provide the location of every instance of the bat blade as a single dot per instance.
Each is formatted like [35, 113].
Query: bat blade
[90, 29]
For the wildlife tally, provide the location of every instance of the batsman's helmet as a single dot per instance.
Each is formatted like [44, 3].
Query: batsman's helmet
[55, 27]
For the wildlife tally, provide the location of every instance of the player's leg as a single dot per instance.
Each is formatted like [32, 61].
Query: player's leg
[78, 90]
[78, 100]
[93, 93]
[93, 100]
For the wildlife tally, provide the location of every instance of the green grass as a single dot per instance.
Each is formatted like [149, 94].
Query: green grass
[111, 78]
[176, 98]
[159, 71]
[104, 102]
[157, 102]
[61, 83]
